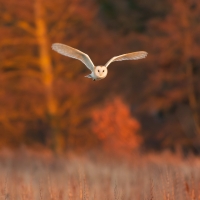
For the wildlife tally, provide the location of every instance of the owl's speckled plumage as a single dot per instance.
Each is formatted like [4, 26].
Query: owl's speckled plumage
[98, 72]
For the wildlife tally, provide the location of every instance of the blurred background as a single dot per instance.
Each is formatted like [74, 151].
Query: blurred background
[144, 105]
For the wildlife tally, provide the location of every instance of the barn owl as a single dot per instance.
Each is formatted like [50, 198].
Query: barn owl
[97, 72]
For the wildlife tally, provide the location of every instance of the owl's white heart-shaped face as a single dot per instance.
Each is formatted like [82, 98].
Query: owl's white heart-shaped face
[101, 71]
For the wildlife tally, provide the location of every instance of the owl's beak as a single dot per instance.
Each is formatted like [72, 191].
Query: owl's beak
[101, 74]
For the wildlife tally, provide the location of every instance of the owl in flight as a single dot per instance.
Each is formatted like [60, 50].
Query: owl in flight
[97, 72]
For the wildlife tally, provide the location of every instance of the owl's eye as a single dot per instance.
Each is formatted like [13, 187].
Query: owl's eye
[98, 70]
[103, 70]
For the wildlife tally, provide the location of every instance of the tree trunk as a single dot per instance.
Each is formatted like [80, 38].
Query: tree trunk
[47, 70]
[187, 41]
[192, 97]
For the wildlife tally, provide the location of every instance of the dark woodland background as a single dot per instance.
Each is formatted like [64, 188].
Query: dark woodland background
[150, 104]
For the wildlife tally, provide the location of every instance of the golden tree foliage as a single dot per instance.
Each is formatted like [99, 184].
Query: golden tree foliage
[37, 100]
[45, 99]
[116, 128]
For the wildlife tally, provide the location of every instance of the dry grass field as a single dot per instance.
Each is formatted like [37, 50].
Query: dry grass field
[151, 177]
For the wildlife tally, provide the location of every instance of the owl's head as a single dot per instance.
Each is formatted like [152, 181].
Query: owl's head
[101, 71]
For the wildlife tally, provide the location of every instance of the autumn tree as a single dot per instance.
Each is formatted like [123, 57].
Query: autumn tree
[173, 83]
[116, 128]
[37, 99]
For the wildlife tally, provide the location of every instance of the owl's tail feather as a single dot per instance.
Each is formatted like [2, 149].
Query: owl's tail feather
[89, 76]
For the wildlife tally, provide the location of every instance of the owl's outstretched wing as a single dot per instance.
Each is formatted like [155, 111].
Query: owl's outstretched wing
[73, 53]
[129, 56]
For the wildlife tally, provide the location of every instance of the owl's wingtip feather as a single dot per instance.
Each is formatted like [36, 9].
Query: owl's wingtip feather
[145, 54]
[53, 46]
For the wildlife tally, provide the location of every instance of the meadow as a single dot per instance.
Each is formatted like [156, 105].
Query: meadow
[146, 105]
[144, 177]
